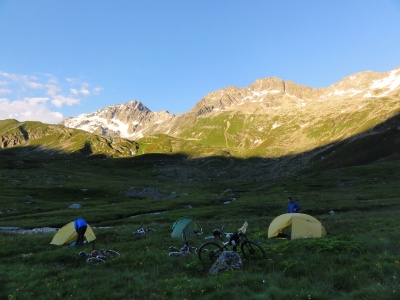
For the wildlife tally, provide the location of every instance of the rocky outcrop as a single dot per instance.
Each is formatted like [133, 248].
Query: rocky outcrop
[10, 141]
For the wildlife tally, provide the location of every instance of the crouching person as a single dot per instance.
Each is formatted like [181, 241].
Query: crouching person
[80, 227]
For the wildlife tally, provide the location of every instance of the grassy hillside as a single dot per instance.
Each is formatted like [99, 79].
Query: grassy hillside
[37, 136]
[281, 133]
[237, 135]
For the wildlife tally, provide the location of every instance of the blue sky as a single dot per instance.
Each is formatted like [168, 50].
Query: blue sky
[64, 58]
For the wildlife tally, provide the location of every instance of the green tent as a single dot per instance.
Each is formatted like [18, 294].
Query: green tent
[185, 227]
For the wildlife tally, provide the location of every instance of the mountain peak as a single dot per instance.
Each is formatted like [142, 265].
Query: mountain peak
[270, 84]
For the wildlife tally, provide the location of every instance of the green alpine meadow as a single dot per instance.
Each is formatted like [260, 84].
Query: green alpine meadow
[51, 175]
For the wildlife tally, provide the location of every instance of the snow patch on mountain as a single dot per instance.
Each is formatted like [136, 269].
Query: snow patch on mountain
[266, 92]
[118, 126]
[276, 125]
[390, 83]
[92, 122]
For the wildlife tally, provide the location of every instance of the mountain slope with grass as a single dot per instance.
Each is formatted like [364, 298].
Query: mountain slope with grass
[197, 161]
[269, 118]
[45, 139]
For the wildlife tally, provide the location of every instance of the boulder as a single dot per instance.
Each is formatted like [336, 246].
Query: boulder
[75, 206]
[227, 261]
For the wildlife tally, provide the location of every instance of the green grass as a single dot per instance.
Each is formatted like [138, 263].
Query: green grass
[358, 259]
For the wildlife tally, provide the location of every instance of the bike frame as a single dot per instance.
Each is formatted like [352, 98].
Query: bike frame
[225, 245]
[248, 247]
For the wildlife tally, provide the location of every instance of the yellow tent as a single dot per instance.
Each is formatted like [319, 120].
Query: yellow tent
[67, 234]
[302, 226]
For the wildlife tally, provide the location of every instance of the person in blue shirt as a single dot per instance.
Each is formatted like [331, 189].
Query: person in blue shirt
[293, 206]
[80, 227]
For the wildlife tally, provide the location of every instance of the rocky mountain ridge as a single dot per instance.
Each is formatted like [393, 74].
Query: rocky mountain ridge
[134, 120]
[270, 117]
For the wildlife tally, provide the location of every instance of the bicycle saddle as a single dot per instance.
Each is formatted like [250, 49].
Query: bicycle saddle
[216, 232]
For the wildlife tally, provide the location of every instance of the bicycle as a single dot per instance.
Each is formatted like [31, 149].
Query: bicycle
[96, 257]
[210, 251]
[143, 231]
[185, 250]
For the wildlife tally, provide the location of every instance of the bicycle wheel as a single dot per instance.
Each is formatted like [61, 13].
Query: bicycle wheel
[109, 253]
[95, 261]
[252, 250]
[209, 252]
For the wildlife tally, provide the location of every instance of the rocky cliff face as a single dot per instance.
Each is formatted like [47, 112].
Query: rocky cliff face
[269, 114]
